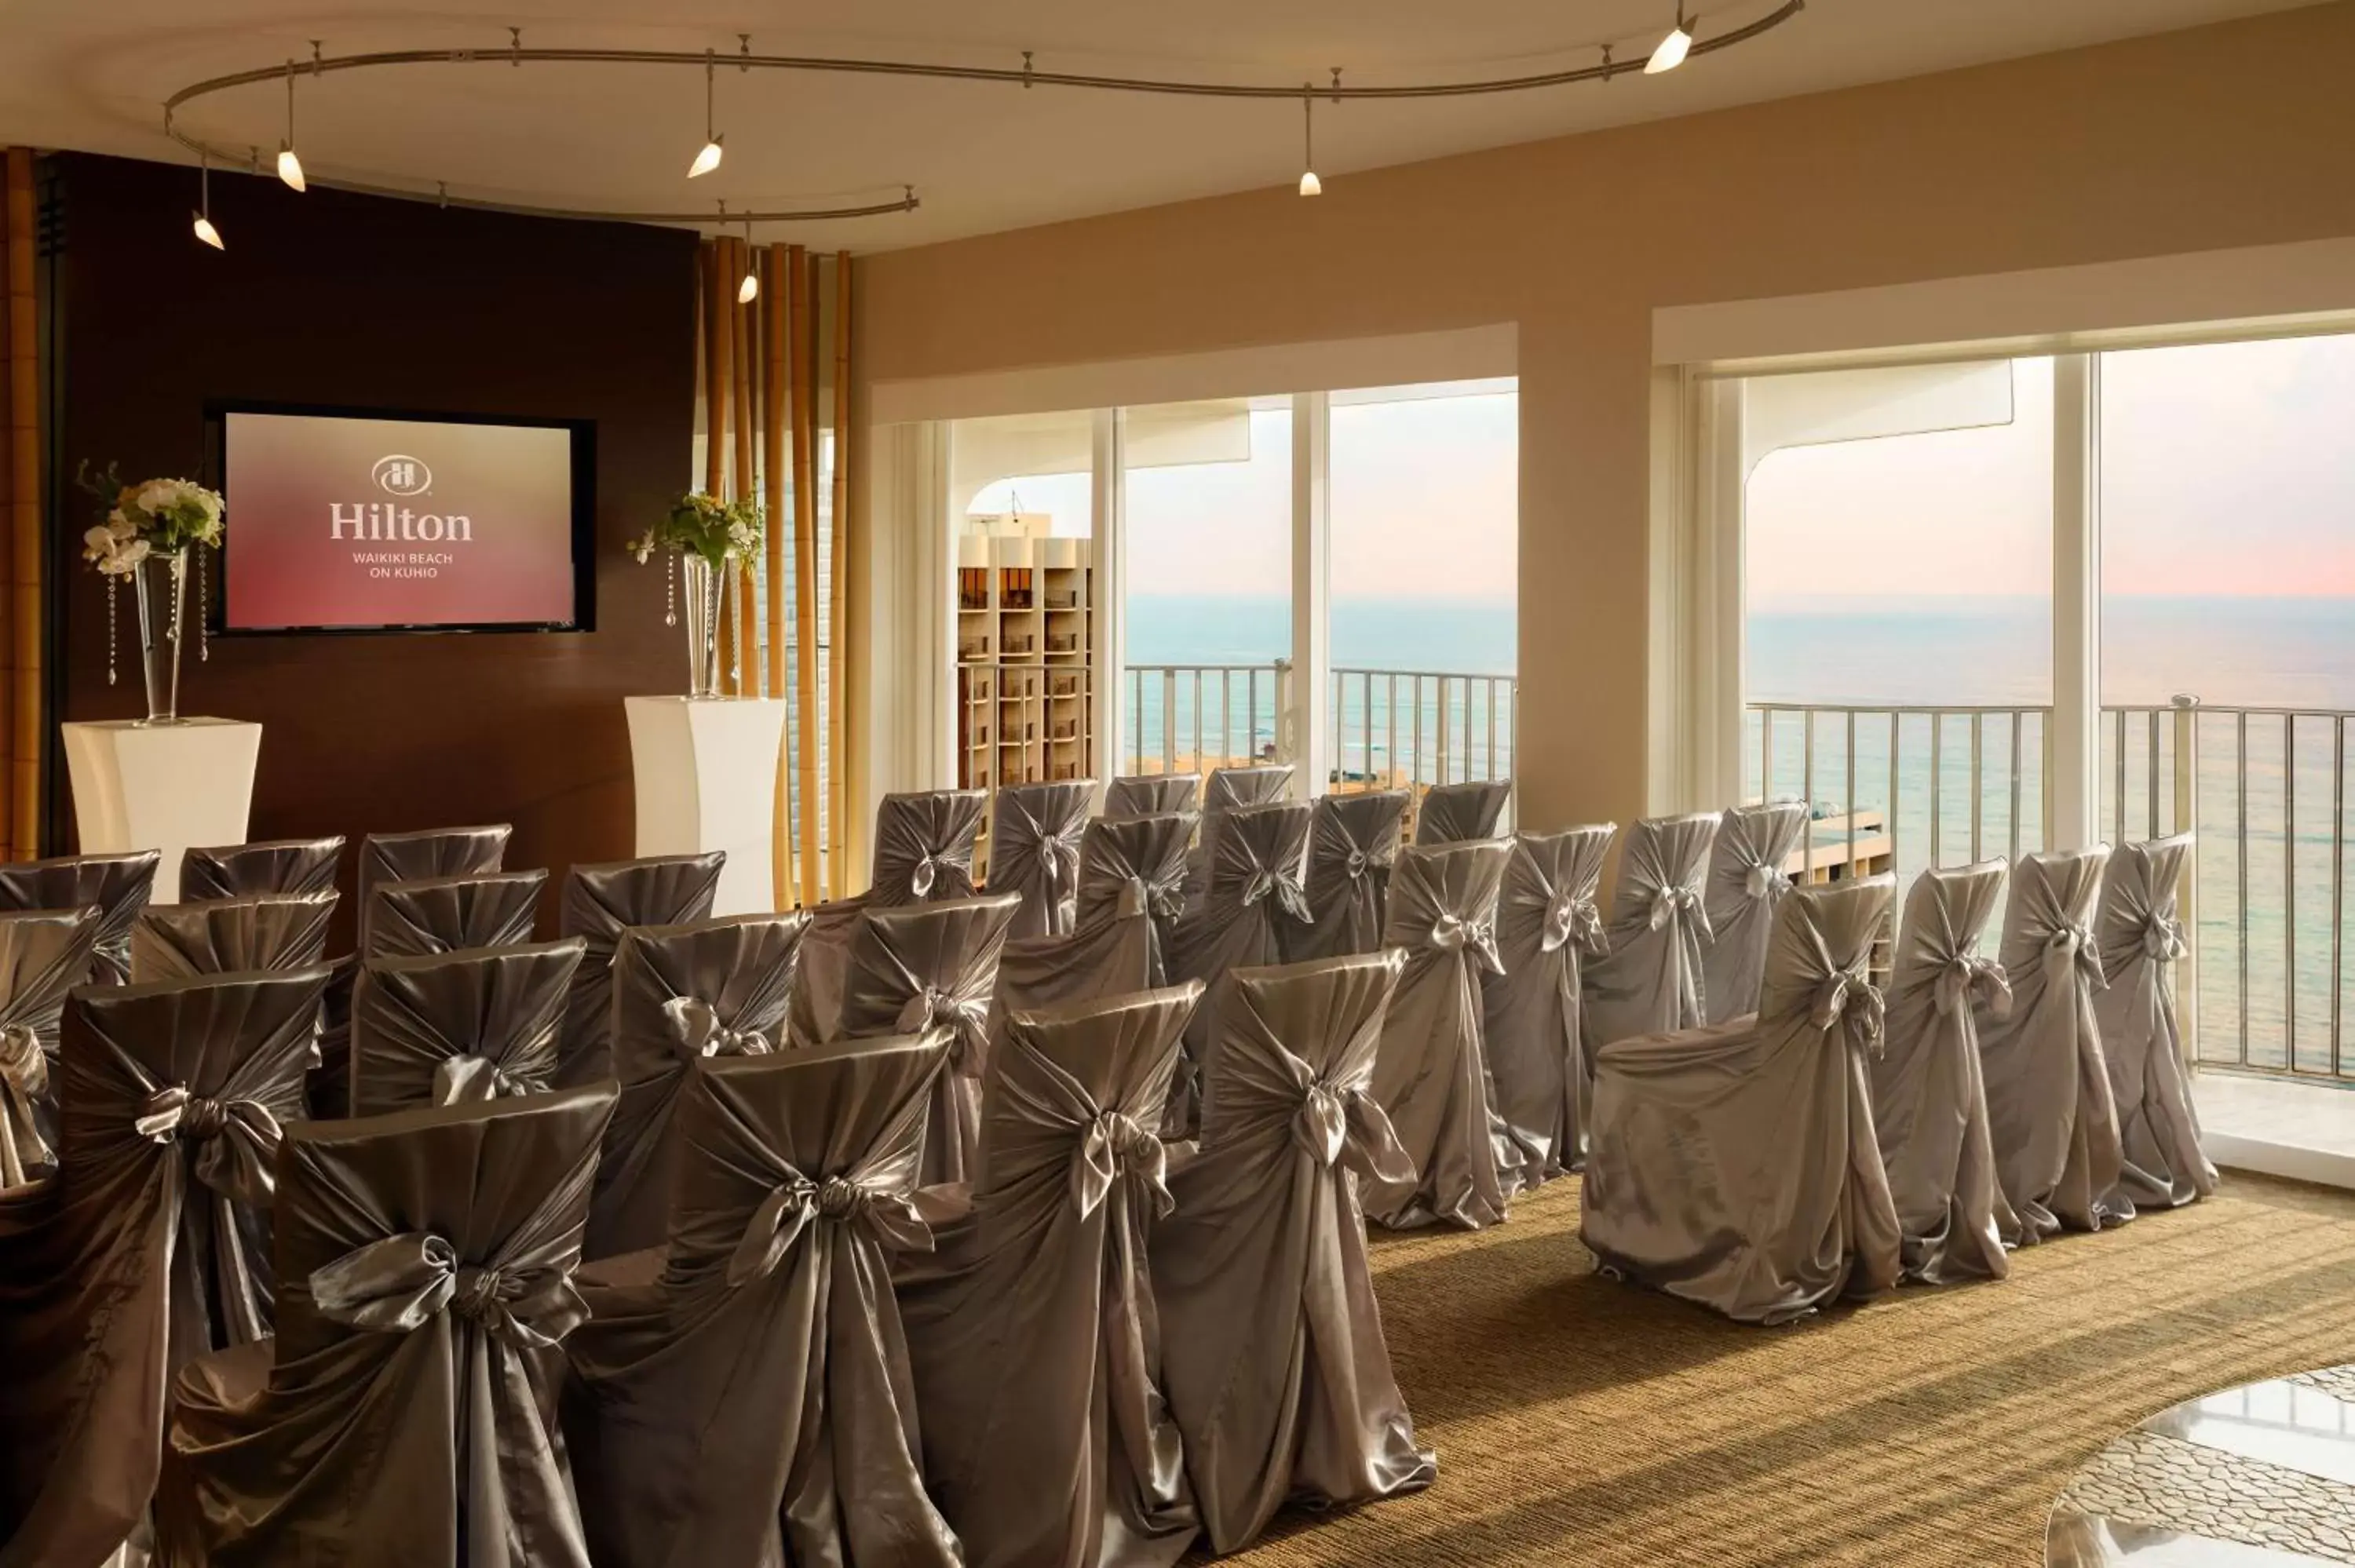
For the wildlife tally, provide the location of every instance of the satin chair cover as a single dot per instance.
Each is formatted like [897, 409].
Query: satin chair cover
[2049, 1106]
[1736, 1166]
[925, 966]
[1431, 1076]
[405, 1415]
[1034, 851]
[682, 994]
[150, 1246]
[1253, 895]
[1462, 813]
[447, 1028]
[1353, 841]
[275, 865]
[1032, 1328]
[1533, 1015]
[599, 901]
[424, 855]
[449, 914]
[823, 974]
[2141, 941]
[1229, 790]
[1136, 866]
[1647, 980]
[1152, 794]
[924, 845]
[1278, 1375]
[1745, 883]
[754, 1405]
[1929, 1091]
[44, 954]
[222, 935]
[118, 885]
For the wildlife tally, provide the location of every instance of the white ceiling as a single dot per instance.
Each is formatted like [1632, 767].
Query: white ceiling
[92, 74]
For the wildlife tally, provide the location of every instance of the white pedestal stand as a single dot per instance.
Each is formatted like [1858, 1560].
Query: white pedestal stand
[162, 787]
[706, 772]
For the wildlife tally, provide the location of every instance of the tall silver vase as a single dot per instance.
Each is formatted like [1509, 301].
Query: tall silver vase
[160, 584]
[705, 589]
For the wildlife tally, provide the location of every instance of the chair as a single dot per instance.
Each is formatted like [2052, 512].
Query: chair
[1151, 794]
[2140, 941]
[932, 967]
[1136, 866]
[448, 1028]
[1353, 839]
[275, 865]
[1745, 883]
[1034, 851]
[44, 954]
[1736, 1166]
[924, 845]
[822, 971]
[1031, 1329]
[2050, 1109]
[1533, 1016]
[599, 902]
[1929, 1094]
[422, 856]
[1648, 979]
[1229, 790]
[753, 1404]
[682, 994]
[222, 935]
[118, 885]
[1462, 813]
[1272, 1353]
[1432, 1077]
[1238, 923]
[152, 1245]
[447, 913]
[404, 1413]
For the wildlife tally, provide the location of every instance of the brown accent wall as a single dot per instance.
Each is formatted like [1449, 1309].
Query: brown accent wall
[2231, 135]
[334, 298]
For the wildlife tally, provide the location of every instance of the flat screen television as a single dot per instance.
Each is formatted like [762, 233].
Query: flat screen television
[360, 520]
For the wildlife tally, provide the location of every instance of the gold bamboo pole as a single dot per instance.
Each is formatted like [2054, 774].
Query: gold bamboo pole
[805, 568]
[837, 659]
[24, 792]
[740, 321]
[776, 462]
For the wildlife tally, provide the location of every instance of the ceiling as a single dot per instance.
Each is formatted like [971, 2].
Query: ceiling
[93, 74]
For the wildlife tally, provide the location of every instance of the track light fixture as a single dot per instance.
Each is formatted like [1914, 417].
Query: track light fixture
[750, 288]
[204, 214]
[1673, 49]
[708, 159]
[1309, 184]
[290, 167]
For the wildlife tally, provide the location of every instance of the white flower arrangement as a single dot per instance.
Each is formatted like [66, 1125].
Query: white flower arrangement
[156, 517]
[704, 525]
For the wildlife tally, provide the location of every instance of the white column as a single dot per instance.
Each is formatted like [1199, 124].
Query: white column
[2075, 792]
[1108, 596]
[1308, 721]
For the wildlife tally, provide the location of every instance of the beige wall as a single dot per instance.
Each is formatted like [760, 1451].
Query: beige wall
[2235, 135]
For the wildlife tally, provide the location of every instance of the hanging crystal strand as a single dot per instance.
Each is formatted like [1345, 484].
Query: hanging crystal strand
[204, 647]
[736, 620]
[110, 628]
[670, 593]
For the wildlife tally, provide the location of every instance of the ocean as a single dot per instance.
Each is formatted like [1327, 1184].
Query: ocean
[2271, 810]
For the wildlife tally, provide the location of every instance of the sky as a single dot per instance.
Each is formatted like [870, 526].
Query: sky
[2226, 470]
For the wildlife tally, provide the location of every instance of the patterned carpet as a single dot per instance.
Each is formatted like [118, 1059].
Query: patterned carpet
[1583, 1422]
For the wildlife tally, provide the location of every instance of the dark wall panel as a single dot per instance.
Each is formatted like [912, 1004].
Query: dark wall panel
[333, 299]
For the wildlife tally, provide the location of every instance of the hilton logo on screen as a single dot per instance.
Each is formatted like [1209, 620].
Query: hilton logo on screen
[383, 522]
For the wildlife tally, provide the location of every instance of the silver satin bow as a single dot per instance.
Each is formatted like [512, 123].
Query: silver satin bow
[1452, 934]
[698, 1031]
[966, 1016]
[2162, 939]
[1763, 881]
[793, 1206]
[1285, 891]
[928, 869]
[1848, 999]
[2072, 945]
[1968, 977]
[23, 1083]
[404, 1281]
[1141, 895]
[470, 1079]
[1330, 1116]
[1572, 917]
[1671, 902]
[1116, 1144]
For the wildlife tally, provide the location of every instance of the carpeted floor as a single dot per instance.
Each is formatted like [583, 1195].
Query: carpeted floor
[1582, 1421]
